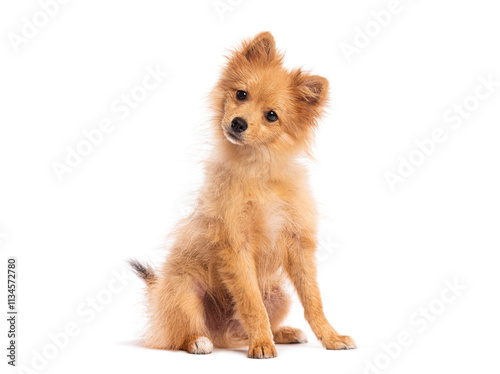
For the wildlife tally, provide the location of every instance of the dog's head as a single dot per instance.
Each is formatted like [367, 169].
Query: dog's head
[259, 103]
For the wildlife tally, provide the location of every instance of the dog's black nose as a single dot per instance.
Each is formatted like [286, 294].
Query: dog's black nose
[238, 124]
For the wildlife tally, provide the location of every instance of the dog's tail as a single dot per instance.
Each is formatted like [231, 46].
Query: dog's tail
[146, 272]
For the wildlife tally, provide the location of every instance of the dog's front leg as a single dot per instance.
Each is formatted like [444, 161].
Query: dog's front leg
[239, 276]
[301, 268]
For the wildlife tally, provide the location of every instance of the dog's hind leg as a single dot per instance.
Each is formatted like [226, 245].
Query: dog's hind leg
[177, 319]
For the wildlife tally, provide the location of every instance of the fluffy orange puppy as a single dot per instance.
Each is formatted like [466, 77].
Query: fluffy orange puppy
[255, 220]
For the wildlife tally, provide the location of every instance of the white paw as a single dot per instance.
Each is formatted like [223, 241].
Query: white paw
[301, 337]
[202, 345]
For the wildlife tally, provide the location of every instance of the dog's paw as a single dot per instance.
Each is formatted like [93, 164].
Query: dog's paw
[262, 349]
[200, 345]
[338, 342]
[289, 335]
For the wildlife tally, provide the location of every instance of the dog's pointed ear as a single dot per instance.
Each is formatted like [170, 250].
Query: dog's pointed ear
[262, 47]
[312, 89]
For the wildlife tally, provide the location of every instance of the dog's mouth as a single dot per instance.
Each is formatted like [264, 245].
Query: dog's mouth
[233, 138]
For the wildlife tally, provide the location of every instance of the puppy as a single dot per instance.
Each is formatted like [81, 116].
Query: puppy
[255, 220]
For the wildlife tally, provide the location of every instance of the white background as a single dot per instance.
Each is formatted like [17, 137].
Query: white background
[383, 254]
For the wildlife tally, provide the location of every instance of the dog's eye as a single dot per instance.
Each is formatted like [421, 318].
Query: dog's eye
[241, 95]
[271, 116]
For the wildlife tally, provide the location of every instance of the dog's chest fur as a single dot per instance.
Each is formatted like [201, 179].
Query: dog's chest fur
[274, 220]
[275, 215]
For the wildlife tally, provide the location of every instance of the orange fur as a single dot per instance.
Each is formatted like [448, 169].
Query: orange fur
[255, 220]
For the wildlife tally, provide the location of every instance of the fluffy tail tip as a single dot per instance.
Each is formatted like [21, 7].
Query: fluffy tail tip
[146, 272]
